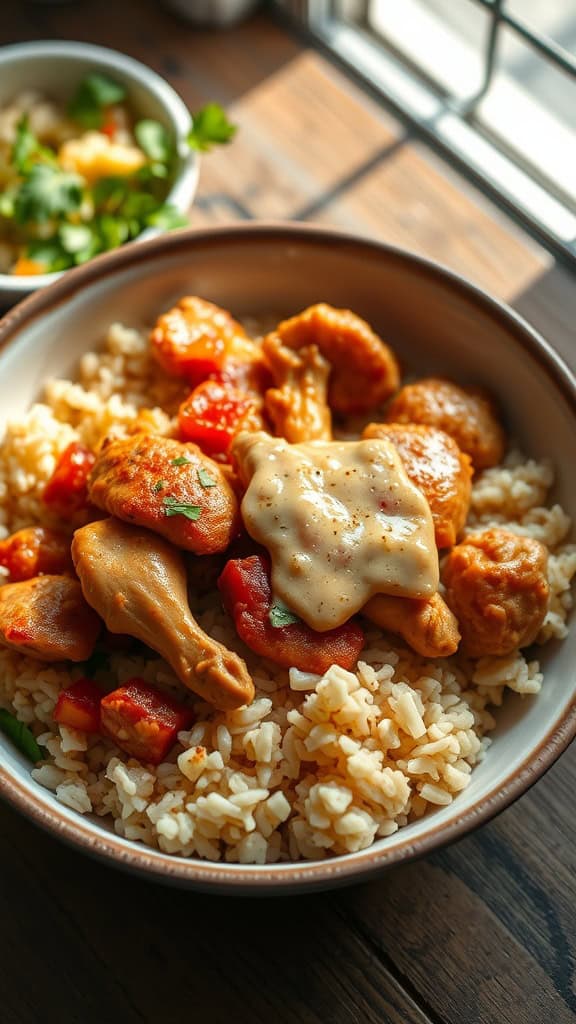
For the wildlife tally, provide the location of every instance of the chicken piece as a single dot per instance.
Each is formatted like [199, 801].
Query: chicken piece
[48, 618]
[341, 522]
[192, 338]
[496, 585]
[443, 473]
[194, 328]
[364, 370]
[35, 551]
[427, 626]
[137, 582]
[298, 405]
[467, 414]
[169, 487]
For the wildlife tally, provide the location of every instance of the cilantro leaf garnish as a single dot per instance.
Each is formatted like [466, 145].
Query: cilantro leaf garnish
[182, 460]
[166, 217]
[174, 507]
[94, 94]
[25, 146]
[50, 254]
[75, 237]
[21, 736]
[109, 193]
[7, 199]
[205, 479]
[113, 230]
[159, 486]
[279, 615]
[210, 127]
[155, 140]
[45, 193]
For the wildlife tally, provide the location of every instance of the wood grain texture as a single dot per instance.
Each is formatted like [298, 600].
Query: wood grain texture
[485, 929]
[123, 949]
[478, 933]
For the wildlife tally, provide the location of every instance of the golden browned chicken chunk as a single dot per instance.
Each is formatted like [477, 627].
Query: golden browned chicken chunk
[497, 587]
[434, 462]
[194, 331]
[137, 583]
[467, 415]
[48, 618]
[364, 370]
[35, 551]
[197, 340]
[169, 487]
[427, 626]
[298, 405]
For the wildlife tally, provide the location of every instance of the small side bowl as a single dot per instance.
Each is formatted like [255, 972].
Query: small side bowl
[56, 67]
[440, 324]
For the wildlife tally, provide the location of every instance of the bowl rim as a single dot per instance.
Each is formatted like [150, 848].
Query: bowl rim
[185, 182]
[356, 867]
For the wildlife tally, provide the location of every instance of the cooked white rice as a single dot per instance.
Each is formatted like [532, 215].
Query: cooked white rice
[316, 765]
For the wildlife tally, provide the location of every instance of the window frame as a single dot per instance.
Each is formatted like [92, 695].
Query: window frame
[449, 125]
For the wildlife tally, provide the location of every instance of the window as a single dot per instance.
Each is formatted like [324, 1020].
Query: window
[491, 83]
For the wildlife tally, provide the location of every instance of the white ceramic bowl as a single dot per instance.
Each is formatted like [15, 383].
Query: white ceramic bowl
[56, 67]
[437, 323]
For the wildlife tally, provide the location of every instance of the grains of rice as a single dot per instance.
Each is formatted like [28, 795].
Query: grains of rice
[317, 765]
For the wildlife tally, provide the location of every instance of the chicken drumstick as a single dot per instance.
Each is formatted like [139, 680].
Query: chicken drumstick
[136, 581]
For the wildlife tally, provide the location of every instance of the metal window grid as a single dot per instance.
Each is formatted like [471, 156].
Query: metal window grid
[449, 124]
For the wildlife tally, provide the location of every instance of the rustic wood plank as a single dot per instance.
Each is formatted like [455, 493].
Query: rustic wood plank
[285, 155]
[411, 200]
[201, 64]
[484, 930]
[112, 947]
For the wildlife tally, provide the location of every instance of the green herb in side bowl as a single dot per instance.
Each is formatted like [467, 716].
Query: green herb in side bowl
[99, 189]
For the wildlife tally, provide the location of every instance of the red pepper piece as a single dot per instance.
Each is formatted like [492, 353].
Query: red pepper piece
[142, 721]
[67, 488]
[79, 706]
[213, 414]
[247, 594]
[244, 367]
[33, 551]
[110, 123]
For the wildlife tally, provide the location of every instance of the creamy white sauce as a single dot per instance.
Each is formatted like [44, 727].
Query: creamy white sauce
[341, 521]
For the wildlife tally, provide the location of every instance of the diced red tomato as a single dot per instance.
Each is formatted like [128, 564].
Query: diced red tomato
[67, 488]
[109, 126]
[195, 360]
[142, 721]
[244, 367]
[79, 706]
[247, 594]
[252, 377]
[33, 551]
[203, 358]
[213, 414]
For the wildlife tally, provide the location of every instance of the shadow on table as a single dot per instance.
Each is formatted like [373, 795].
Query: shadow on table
[201, 64]
[108, 947]
[549, 304]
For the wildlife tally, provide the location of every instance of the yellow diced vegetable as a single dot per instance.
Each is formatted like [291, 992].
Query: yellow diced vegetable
[95, 156]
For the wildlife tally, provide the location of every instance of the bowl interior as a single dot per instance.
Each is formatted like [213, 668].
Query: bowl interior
[434, 322]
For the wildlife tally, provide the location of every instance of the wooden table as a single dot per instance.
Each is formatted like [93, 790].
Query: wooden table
[480, 932]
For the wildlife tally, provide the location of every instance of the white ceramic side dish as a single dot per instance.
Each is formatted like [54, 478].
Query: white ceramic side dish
[56, 67]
